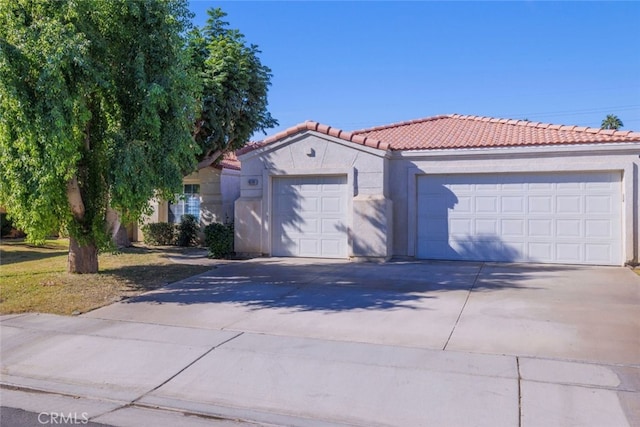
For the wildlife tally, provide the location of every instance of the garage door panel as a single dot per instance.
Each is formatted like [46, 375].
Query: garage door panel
[570, 186]
[309, 226]
[540, 205]
[569, 252]
[540, 228]
[538, 217]
[599, 228]
[308, 247]
[309, 187]
[482, 248]
[537, 251]
[309, 204]
[332, 187]
[489, 187]
[332, 205]
[330, 246]
[570, 205]
[332, 226]
[512, 228]
[486, 226]
[309, 216]
[597, 253]
[457, 227]
[599, 204]
[513, 205]
[569, 228]
[486, 204]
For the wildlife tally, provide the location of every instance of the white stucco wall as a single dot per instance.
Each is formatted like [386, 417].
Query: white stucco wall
[406, 166]
[369, 216]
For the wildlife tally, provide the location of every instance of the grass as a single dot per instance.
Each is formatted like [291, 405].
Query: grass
[34, 279]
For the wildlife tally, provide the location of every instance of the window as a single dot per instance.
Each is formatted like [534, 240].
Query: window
[187, 203]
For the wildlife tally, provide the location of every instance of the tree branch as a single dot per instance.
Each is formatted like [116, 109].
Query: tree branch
[209, 159]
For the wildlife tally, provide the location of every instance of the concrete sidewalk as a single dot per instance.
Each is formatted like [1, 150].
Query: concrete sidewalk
[131, 374]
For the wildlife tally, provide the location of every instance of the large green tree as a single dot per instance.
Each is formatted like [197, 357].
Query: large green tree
[233, 86]
[611, 122]
[96, 112]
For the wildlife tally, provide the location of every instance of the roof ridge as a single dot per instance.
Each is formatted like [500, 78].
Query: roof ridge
[403, 123]
[543, 125]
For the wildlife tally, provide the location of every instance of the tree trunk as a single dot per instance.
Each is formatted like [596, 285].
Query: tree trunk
[82, 259]
[117, 230]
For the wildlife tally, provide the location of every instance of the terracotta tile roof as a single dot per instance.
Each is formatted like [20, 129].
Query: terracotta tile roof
[458, 131]
[317, 127]
[230, 161]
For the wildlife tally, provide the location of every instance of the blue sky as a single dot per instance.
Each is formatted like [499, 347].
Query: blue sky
[359, 64]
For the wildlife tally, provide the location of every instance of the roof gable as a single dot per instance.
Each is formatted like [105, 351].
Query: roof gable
[320, 128]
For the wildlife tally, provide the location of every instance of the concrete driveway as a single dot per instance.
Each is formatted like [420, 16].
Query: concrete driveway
[325, 342]
[568, 312]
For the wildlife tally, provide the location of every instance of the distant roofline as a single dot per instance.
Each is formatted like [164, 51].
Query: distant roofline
[358, 137]
[516, 122]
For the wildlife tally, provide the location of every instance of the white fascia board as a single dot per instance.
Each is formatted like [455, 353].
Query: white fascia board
[299, 136]
[535, 151]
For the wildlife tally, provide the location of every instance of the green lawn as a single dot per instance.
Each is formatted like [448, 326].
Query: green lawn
[34, 279]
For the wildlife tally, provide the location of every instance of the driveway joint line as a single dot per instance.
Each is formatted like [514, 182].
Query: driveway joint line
[184, 368]
[519, 392]
[475, 280]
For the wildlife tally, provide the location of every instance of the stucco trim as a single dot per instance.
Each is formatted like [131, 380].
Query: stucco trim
[628, 169]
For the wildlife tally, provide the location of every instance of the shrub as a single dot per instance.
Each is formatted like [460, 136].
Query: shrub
[219, 239]
[6, 225]
[159, 233]
[188, 230]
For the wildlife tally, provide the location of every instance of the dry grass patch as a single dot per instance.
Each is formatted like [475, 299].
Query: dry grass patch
[34, 279]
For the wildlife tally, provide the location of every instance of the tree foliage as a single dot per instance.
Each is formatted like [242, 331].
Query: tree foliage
[234, 85]
[611, 122]
[96, 107]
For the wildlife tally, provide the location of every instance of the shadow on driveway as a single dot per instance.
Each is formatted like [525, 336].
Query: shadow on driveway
[308, 285]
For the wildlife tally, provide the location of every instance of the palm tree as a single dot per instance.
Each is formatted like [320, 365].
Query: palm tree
[611, 122]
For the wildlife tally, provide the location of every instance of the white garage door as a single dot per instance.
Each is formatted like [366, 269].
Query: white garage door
[309, 217]
[572, 218]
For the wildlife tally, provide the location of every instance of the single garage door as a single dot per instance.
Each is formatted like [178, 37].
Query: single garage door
[309, 217]
[572, 218]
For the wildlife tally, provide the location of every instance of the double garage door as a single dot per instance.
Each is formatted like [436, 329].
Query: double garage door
[309, 217]
[550, 218]
[573, 218]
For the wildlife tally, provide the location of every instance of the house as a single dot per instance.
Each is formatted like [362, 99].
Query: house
[450, 187]
[208, 194]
